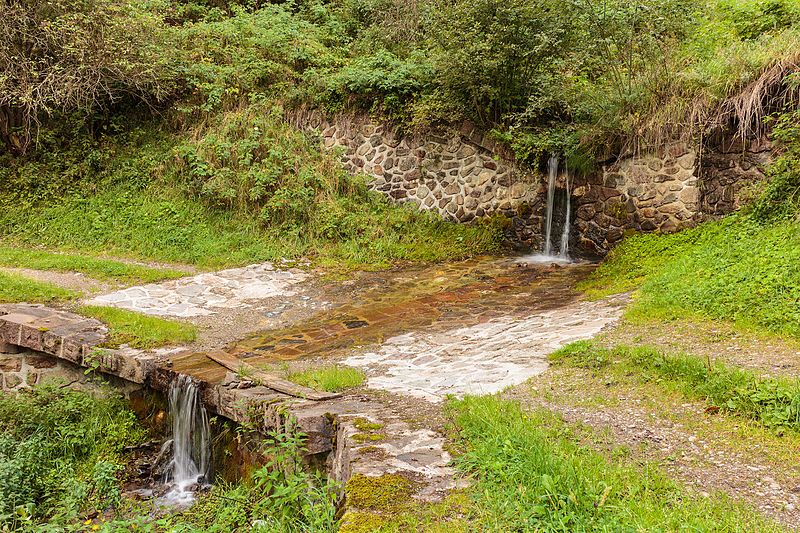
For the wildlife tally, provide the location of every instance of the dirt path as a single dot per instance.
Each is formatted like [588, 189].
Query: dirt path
[74, 281]
[712, 453]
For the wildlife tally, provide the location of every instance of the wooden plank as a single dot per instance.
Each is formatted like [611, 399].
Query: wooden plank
[235, 364]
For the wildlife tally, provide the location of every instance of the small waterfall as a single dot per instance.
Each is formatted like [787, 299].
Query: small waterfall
[548, 254]
[191, 443]
[552, 173]
[564, 248]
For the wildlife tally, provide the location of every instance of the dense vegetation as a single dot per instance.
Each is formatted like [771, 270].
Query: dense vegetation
[175, 148]
[60, 454]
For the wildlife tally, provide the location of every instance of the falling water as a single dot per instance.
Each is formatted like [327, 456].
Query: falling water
[191, 444]
[548, 255]
[552, 173]
[564, 248]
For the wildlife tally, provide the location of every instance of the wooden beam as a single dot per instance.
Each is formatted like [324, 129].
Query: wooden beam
[266, 379]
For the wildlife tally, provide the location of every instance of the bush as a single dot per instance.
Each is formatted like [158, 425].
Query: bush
[60, 453]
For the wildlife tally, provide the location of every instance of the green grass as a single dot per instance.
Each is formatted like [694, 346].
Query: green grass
[735, 269]
[531, 473]
[15, 288]
[98, 268]
[139, 330]
[330, 378]
[772, 402]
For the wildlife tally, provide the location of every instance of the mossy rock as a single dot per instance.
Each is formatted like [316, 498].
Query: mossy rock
[361, 522]
[386, 493]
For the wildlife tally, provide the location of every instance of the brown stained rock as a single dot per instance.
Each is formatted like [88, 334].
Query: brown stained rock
[11, 381]
[10, 363]
[32, 378]
[41, 361]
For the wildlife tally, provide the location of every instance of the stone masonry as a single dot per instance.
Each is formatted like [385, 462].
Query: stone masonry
[463, 175]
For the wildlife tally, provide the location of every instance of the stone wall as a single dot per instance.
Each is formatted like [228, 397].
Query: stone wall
[462, 174]
[666, 191]
[21, 369]
[654, 192]
[728, 170]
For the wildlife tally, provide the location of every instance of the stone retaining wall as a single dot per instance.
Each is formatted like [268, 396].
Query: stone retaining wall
[464, 175]
[21, 369]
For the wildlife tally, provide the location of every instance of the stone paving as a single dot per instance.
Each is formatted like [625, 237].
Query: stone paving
[208, 293]
[480, 359]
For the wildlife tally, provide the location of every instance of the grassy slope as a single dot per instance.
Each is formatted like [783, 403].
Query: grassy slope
[734, 269]
[532, 474]
[169, 216]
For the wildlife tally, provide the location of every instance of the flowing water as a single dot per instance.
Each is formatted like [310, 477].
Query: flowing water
[552, 174]
[548, 254]
[190, 467]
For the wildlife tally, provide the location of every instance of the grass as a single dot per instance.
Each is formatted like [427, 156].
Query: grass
[151, 199]
[734, 269]
[772, 402]
[98, 268]
[139, 330]
[15, 288]
[332, 378]
[532, 474]
[60, 455]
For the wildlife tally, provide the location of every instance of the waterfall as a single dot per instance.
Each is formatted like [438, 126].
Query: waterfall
[564, 248]
[548, 254]
[552, 173]
[191, 443]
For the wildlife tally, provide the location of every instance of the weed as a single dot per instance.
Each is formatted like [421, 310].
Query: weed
[332, 378]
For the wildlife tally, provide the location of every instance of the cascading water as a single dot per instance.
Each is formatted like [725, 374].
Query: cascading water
[564, 248]
[552, 173]
[548, 255]
[191, 444]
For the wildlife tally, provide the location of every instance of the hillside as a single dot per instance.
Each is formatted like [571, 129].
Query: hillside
[324, 207]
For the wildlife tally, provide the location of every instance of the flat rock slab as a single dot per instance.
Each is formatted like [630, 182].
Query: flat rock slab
[43, 329]
[483, 358]
[208, 293]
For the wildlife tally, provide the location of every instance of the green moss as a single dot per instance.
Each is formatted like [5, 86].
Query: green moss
[361, 522]
[362, 424]
[368, 437]
[386, 493]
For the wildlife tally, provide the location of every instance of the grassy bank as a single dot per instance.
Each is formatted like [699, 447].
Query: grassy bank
[772, 402]
[532, 474]
[237, 188]
[15, 288]
[61, 455]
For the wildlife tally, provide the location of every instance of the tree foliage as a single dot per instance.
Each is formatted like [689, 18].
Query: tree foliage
[77, 55]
